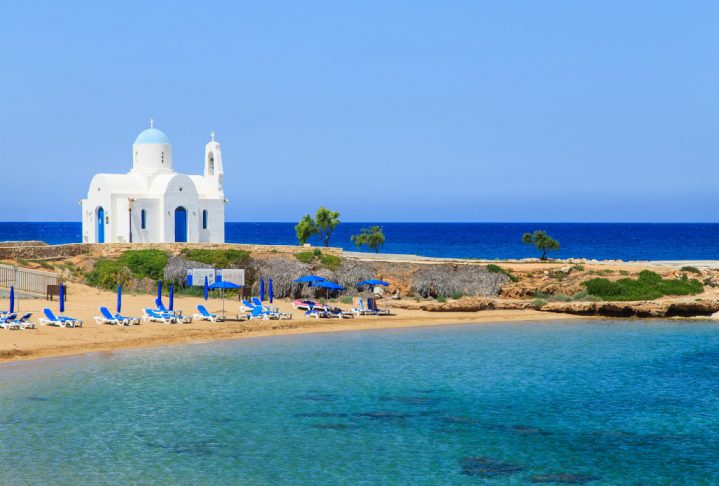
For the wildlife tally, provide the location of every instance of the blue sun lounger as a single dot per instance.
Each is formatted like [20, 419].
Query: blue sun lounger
[204, 315]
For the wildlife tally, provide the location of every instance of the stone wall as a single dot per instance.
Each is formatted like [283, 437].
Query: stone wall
[39, 250]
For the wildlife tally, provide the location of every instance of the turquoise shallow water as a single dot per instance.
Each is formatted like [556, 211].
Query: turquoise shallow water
[616, 402]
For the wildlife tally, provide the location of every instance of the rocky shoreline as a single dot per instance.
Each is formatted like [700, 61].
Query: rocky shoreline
[644, 309]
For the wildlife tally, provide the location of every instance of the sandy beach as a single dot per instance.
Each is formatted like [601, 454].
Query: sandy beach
[83, 303]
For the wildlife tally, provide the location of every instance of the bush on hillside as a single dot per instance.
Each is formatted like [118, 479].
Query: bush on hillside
[229, 258]
[108, 274]
[691, 269]
[305, 256]
[648, 286]
[145, 263]
[331, 262]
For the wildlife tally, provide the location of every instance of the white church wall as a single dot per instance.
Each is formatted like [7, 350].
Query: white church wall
[215, 230]
[154, 223]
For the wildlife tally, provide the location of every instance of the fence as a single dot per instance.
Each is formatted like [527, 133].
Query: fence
[26, 280]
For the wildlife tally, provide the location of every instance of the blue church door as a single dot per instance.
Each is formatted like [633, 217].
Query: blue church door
[100, 225]
[180, 225]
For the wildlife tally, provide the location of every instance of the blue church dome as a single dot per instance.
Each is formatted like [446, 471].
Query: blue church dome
[151, 135]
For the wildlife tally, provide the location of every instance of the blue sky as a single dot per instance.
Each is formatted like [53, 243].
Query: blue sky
[383, 110]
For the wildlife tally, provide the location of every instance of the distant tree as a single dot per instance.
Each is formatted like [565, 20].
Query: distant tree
[305, 228]
[372, 237]
[542, 241]
[325, 223]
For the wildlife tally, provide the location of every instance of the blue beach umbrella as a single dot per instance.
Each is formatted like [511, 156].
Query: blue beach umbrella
[172, 296]
[373, 281]
[159, 290]
[326, 284]
[207, 289]
[62, 298]
[262, 288]
[119, 299]
[310, 279]
[222, 286]
[271, 290]
[12, 299]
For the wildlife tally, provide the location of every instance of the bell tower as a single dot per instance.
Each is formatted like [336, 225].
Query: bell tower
[214, 173]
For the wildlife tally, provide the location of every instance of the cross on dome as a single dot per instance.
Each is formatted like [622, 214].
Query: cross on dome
[152, 122]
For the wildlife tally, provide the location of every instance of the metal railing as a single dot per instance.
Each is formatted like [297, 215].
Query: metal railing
[27, 280]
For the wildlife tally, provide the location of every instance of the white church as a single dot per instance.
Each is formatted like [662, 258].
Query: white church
[154, 204]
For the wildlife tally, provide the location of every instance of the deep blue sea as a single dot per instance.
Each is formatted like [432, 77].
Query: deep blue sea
[581, 402]
[625, 241]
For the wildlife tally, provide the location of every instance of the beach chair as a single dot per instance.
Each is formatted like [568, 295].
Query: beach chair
[359, 309]
[8, 321]
[372, 305]
[204, 315]
[24, 321]
[317, 313]
[151, 315]
[247, 306]
[339, 313]
[108, 318]
[258, 313]
[51, 319]
[129, 320]
[161, 307]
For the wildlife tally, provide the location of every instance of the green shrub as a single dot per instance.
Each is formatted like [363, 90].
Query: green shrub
[229, 258]
[538, 303]
[578, 267]
[560, 298]
[331, 261]
[346, 300]
[648, 286]
[691, 269]
[317, 252]
[441, 299]
[145, 263]
[457, 295]
[108, 274]
[492, 268]
[305, 256]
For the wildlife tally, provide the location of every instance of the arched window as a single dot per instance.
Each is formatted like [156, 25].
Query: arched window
[211, 164]
[143, 219]
[204, 219]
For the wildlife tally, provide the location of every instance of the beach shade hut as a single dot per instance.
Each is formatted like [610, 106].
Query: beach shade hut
[119, 299]
[12, 299]
[159, 290]
[207, 289]
[62, 298]
[222, 286]
[262, 288]
[270, 290]
[171, 304]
